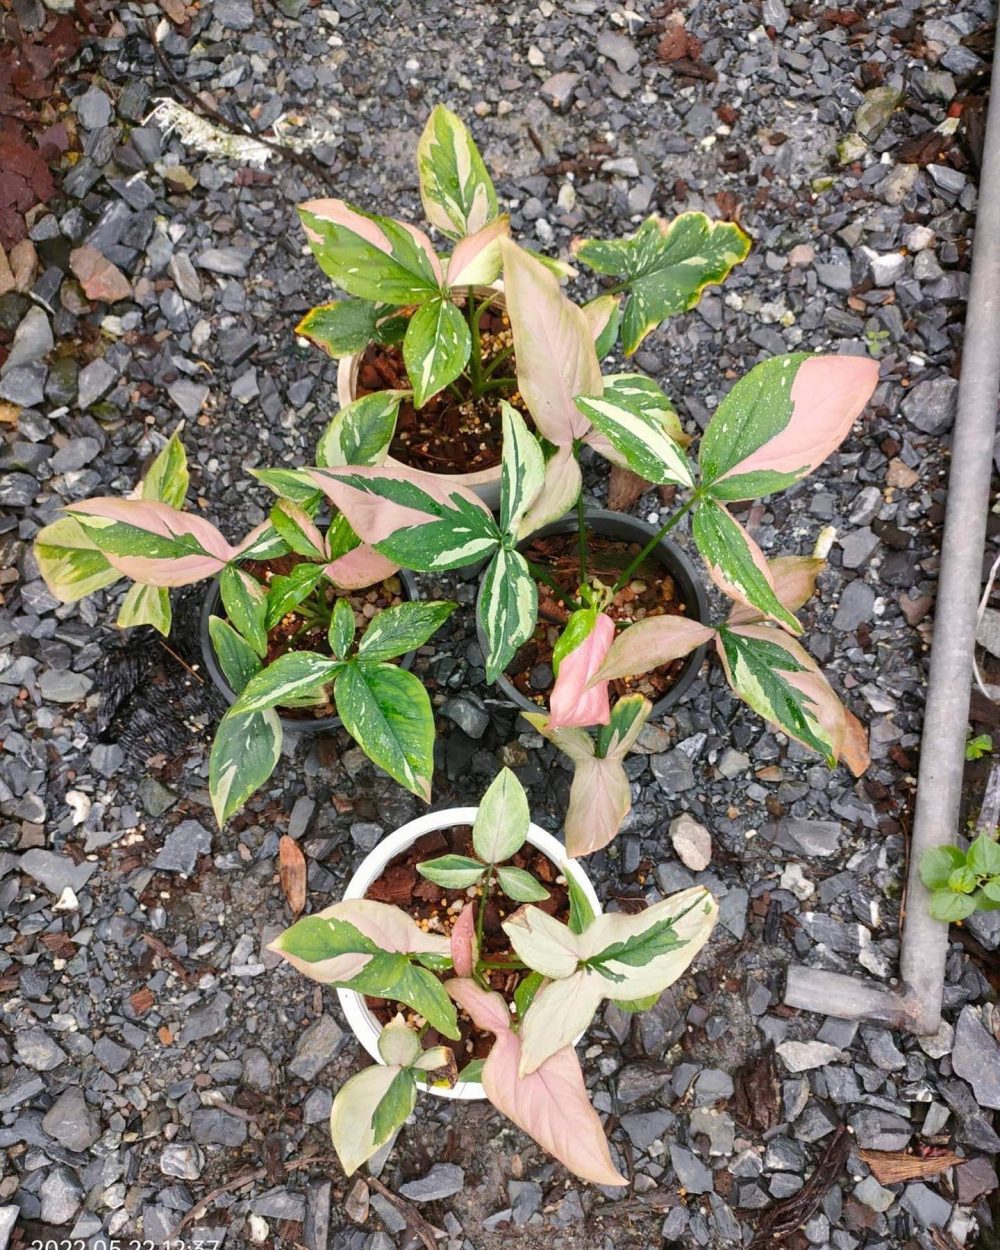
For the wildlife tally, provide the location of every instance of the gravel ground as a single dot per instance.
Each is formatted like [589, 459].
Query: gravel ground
[149, 1051]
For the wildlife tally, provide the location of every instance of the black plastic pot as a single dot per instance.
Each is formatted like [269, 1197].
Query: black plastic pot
[618, 525]
[290, 724]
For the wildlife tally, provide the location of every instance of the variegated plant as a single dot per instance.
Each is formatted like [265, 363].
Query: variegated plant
[149, 539]
[773, 427]
[403, 292]
[561, 974]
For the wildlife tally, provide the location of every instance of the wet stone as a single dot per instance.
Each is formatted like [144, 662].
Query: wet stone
[443, 1180]
[316, 1047]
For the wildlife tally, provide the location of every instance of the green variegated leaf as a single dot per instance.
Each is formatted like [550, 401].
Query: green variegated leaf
[342, 327]
[167, 477]
[361, 432]
[642, 441]
[759, 669]
[736, 565]
[342, 629]
[525, 993]
[246, 749]
[291, 675]
[638, 949]
[456, 190]
[69, 561]
[460, 534]
[452, 872]
[395, 631]
[398, 978]
[353, 1129]
[237, 659]
[581, 911]
[146, 605]
[641, 394]
[508, 609]
[245, 601]
[521, 886]
[665, 266]
[285, 593]
[628, 717]
[293, 484]
[267, 545]
[436, 348]
[387, 712]
[298, 530]
[502, 819]
[398, 1043]
[522, 469]
[395, 1105]
[371, 257]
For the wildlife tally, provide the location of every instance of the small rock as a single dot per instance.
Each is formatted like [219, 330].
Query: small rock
[871, 1193]
[93, 109]
[183, 1160]
[94, 382]
[558, 90]
[928, 1208]
[32, 340]
[976, 1058]
[930, 406]
[182, 846]
[692, 1174]
[111, 1056]
[155, 796]
[37, 1050]
[8, 1218]
[876, 110]
[692, 842]
[56, 872]
[234, 14]
[674, 771]
[301, 815]
[24, 386]
[317, 1046]
[61, 1195]
[100, 279]
[857, 602]
[618, 48]
[62, 685]
[804, 1056]
[71, 1122]
[210, 1126]
[443, 1180]
[188, 396]
[206, 1021]
[468, 713]
[366, 835]
[74, 454]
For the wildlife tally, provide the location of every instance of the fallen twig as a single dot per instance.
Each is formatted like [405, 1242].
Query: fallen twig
[781, 1220]
[240, 1182]
[415, 1221]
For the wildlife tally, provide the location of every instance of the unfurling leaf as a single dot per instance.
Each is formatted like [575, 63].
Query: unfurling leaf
[455, 189]
[398, 1044]
[666, 266]
[522, 471]
[551, 1104]
[782, 420]
[574, 701]
[298, 530]
[367, 1110]
[166, 479]
[650, 643]
[508, 608]
[464, 948]
[476, 259]
[559, 492]
[502, 819]
[553, 346]
[292, 873]
[620, 956]
[245, 601]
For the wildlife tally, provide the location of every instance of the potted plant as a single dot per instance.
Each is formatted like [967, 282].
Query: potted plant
[298, 617]
[497, 969]
[775, 425]
[435, 330]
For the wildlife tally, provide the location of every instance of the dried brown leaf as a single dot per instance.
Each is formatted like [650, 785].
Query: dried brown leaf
[624, 488]
[890, 1167]
[292, 873]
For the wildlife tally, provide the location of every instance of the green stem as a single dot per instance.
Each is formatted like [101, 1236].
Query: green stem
[473, 314]
[581, 535]
[541, 574]
[500, 965]
[497, 360]
[481, 913]
[661, 533]
[456, 392]
[496, 384]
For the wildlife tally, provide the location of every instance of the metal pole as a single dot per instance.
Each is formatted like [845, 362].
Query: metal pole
[942, 756]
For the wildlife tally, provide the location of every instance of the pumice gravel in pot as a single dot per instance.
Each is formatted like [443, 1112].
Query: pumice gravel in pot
[665, 583]
[300, 617]
[772, 428]
[485, 975]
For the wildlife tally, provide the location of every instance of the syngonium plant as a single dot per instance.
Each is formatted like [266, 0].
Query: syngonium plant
[563, 974]
[403, 292]
[775, 426]
[149, 539]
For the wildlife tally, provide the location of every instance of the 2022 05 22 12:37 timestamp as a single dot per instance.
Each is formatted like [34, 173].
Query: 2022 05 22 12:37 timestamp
[123, 1243]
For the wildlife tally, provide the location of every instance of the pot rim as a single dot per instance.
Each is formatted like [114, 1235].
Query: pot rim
[289, 724]
[362, 1021]
[676, 560]
[347, 378]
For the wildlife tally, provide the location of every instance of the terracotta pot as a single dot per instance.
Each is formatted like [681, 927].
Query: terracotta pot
[485, 483]
[619, 525]
[365, 1025]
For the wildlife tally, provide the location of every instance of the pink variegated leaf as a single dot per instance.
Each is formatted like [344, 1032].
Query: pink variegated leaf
[422, 521]
[373, 258]
[551, 1104]
[560, 490]
[476, 258]
[553, 346]
[604, 317]
[360, 568]
[854, 753]
[463, 941]
[794, 580]
[336, 944]
[575, 700]
[151, 542]
[782, 420]
[650, 643]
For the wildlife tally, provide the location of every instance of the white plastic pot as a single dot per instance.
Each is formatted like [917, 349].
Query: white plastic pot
[366, 1027]
[485, 483]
